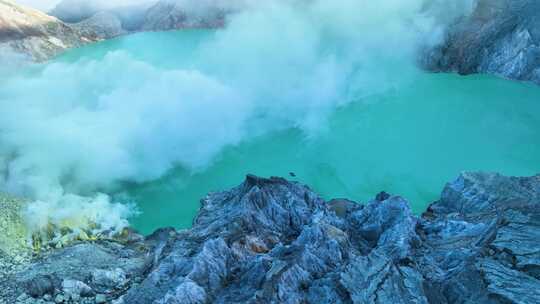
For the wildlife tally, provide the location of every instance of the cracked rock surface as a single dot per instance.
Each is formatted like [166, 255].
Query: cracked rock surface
[33, 34]
[501, 37]
[275, 241]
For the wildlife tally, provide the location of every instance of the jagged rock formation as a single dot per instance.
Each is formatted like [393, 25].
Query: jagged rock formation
[73, 11]
[35, 34]
[106, 18]
[501, 37]
[174, 14]
[274, 241]
[102, 25]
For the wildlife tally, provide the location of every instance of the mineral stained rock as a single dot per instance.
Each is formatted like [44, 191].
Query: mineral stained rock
[174, 14]
[34, 34]
[275, 241]
[501, 37]
[106, 20]
[102, 25]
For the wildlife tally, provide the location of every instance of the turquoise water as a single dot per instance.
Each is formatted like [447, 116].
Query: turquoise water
[162, 49]
[407, 139]
[409, 143]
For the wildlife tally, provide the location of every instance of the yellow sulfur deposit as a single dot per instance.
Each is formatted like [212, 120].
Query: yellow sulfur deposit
[13, 232]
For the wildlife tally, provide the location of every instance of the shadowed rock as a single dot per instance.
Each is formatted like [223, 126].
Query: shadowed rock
[275, 241]
[173, 14]
[501, 37]
[102, 25]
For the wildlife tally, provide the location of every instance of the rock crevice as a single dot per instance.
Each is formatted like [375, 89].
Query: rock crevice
[275, 241]
[501, 37]
[28, 32]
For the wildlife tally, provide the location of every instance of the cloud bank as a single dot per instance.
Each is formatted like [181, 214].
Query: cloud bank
[43, 5]
[47, 5]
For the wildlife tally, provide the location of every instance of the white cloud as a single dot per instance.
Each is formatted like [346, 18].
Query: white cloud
[47, 5]
[70, 130]
[43, 5]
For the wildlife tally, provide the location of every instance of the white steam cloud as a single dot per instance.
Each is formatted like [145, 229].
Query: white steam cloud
[69, 131]
[46, 5]
[43, 5]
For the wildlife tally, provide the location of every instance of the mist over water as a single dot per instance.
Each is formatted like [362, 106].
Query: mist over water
[409, 141]
[326, 89]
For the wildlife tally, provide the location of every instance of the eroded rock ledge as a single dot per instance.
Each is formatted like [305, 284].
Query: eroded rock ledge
[35, 35]
[275, 241]
[501, 37]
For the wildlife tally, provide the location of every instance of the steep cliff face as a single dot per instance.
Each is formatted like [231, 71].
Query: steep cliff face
[107, 20]
[73, 11]
[102, 25]
[275, 241]
[175, 14]
[502, 37]
[35, 34]
[101, 14]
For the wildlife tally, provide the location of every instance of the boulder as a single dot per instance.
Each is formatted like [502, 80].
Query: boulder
[276, 241]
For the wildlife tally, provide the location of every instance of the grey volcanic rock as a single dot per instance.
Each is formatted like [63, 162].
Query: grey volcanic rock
[501, 37]
[179, 14]
[39, 36]
[102, 25]
[102, 20]
[74, 11]
[275, 241]
[130, 15]
[485, 229]
[158, 15]
[83, 270]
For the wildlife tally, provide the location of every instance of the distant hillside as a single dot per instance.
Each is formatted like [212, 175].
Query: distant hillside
[35, 34]
[131, 16]
[501, 37]
[148, 15]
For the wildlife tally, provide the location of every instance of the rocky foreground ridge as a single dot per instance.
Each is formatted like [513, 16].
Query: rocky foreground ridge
[275, 241]
[501, 37]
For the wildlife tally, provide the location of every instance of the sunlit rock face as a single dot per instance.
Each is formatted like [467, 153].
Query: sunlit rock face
[34, 34]
[501, 37]
[275, 241]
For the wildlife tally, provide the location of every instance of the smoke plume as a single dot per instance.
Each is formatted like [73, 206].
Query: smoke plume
[72, 131]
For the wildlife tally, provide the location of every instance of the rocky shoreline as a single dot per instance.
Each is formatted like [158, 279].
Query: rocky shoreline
[501, 37]
[276, 241]
[31, 34]
[38, 36]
